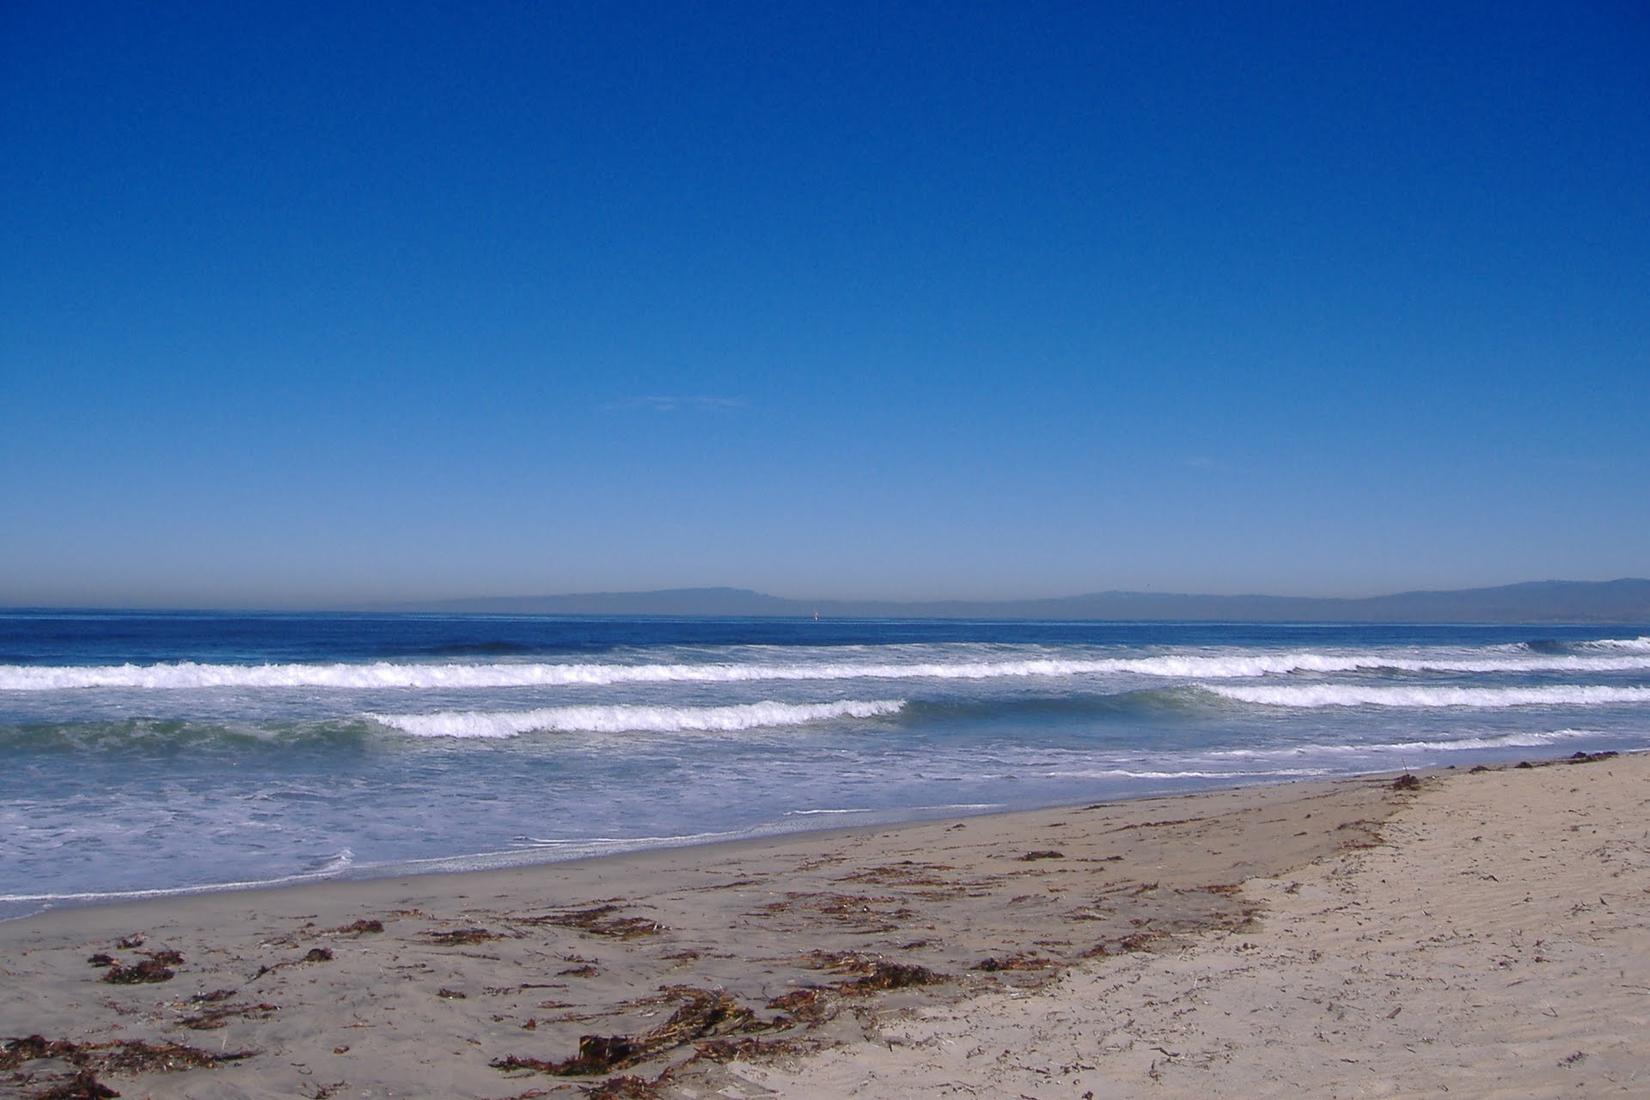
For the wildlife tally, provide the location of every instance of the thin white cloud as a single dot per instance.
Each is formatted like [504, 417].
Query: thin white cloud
[678, 402]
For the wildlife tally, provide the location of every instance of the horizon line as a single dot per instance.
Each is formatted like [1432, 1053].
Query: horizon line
[441, 605]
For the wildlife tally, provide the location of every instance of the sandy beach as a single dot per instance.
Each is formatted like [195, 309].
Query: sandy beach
[1482, 933]
[1038, 551]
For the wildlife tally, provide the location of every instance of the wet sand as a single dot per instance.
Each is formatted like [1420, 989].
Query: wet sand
[1226, 943]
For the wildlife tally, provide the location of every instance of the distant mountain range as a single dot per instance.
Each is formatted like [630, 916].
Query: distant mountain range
[1618, 601]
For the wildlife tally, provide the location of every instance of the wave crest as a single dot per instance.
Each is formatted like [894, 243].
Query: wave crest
[632, 719]
[1622, 656]
[1631, 645]
[1360, 695]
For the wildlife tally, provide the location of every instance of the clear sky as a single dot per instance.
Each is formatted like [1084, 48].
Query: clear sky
[310, 304]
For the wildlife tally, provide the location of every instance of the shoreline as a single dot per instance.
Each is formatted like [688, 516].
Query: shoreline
[697, 966]
[408, 871]
[733, 847]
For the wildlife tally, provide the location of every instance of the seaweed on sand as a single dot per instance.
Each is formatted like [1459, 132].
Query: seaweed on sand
[358, 927]
[598, 920]
[462, 936]
[145, 970]
[808, 1005]
[313, 955]
[118, 1056]
[136, 1056]
[749, 1048]
[904, 873]
[82, 1086]
[870, 974]
[890, 975]
[1133, 942]
[220, 1014]
[1013, 962]
[702, 1012]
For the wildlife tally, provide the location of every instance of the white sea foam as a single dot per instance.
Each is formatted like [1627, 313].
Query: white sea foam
[1362, 695]
[667, 841]
[629, 718]
[463, 675]
[812, 813]
[337, 865]
[1528, 739]
[1126, 773]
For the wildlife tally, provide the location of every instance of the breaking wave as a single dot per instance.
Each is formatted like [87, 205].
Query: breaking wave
[1631, 645]
[1360, 695]
[1623, 656]
[632, 719]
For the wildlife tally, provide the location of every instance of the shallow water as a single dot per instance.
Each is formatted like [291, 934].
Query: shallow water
[147, 753]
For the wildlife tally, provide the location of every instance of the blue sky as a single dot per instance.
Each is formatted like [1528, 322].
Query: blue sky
[318, 304]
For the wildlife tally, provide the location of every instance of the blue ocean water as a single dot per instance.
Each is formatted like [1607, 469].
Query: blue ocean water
[177, 752]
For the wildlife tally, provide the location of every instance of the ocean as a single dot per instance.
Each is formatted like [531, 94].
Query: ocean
[148, 754]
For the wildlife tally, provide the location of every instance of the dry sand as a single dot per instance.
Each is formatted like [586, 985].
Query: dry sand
[1484, 935]
[1497, 943]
